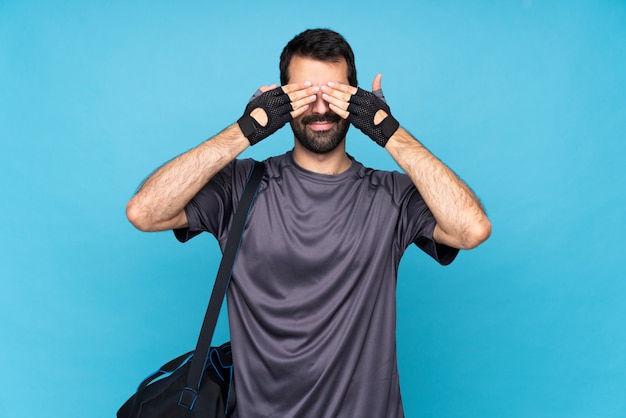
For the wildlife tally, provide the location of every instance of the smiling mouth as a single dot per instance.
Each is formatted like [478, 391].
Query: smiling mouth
[321, 122]
[321, 125]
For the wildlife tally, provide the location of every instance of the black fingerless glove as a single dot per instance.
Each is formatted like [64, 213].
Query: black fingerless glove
[363, 106]
[276, 105]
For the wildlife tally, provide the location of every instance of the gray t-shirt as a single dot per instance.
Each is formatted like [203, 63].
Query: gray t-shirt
[311, 303]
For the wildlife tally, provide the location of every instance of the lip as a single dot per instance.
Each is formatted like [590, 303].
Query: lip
[321, 126]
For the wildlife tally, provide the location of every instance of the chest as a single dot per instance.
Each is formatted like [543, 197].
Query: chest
[310, 225]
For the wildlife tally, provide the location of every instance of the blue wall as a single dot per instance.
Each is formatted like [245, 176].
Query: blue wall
[524, 99]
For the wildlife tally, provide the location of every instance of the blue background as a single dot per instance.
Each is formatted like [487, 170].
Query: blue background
[524, 99]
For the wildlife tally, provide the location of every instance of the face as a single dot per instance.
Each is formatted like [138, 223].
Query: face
[319, 129]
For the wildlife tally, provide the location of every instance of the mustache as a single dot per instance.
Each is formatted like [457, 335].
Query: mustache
[327, 117]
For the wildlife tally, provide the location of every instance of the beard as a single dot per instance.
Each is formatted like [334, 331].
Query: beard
[320, 142]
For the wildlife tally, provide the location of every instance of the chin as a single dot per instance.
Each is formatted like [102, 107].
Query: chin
[320, 142]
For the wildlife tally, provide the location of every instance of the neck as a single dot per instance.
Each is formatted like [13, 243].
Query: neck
[334, 162]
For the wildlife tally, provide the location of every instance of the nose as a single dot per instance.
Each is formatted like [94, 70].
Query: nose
[320, 106]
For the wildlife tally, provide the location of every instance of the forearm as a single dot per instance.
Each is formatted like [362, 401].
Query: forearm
[159, 204]
[461, 220]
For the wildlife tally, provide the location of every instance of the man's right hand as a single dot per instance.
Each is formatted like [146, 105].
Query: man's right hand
[272, 107]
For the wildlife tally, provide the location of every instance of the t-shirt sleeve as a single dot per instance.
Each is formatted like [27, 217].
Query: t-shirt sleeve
[212, 208]
[417, 225]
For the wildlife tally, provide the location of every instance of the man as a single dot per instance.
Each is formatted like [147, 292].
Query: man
[312, 298]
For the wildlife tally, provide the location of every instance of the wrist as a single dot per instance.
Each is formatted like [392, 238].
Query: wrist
[231, 138]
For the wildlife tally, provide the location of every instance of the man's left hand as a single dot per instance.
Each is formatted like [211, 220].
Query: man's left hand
[365, 110]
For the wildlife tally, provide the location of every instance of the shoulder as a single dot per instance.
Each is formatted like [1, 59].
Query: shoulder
[234, 173]
[396, 184]
[276, 165]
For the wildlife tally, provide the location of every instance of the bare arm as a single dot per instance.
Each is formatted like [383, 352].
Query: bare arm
[160, 202]
[461, 220]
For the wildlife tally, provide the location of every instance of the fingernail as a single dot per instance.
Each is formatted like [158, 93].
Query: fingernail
[330, 83]
[307, 83]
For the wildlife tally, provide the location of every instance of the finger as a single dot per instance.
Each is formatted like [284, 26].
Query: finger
[304, 101]
[340, 103]
[336, 93]
[343, 114]
[376, 84]
[298, 111]
[345, 88]
[293, 87]
[268, 88]
[305, 93]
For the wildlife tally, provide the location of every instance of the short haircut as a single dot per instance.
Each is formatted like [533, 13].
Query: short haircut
[321, 45]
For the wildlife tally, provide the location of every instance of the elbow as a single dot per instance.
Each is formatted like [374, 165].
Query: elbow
[477, 233]
[137, 217]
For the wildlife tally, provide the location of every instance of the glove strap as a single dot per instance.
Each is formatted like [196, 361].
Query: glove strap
[246, 124]
[388, 127]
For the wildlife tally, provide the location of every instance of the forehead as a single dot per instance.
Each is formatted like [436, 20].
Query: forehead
[317, 72]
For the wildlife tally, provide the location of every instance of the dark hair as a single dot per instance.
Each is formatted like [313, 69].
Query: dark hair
[319, 44]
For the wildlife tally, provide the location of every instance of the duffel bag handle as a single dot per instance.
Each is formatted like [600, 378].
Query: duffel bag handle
[169, 367]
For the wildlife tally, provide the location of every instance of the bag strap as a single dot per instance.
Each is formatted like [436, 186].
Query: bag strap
[198, 362]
